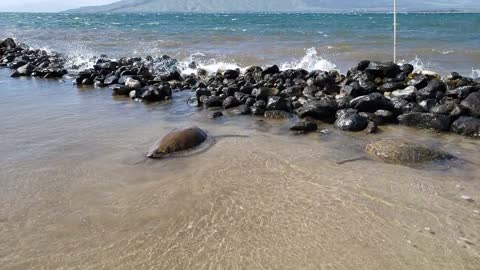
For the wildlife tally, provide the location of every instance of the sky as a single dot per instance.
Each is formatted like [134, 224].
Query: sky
[47, 5]
[60, 5]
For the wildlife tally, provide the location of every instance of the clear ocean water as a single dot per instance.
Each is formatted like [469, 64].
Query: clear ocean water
[77, 193]
[443, 42]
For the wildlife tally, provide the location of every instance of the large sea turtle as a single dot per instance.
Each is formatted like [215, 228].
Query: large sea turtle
[404, 153]
[184, 141]
[177, 140]
[400, 152]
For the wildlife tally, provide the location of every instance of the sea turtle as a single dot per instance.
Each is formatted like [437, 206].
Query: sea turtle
[177, 140]
[183, 142]
[400, 152]
[404, 153]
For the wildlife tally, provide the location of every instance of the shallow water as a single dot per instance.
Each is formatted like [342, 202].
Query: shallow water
[310, 41]
[76, 192]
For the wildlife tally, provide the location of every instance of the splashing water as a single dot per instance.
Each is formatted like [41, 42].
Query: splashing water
[418, 64]
[311, 61]
[475, 73]
[197, 61]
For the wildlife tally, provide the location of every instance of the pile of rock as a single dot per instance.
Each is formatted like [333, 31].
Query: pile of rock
[369, 95]
[145, 79]
[26, 61]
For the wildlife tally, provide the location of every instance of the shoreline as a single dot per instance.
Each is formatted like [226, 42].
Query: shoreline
[371, 94]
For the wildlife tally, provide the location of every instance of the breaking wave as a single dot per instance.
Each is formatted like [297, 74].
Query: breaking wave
[475, 73]
[310, 61]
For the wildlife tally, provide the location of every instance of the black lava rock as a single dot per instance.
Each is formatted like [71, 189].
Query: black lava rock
[467, 126]
[438, 122]
[472, 104]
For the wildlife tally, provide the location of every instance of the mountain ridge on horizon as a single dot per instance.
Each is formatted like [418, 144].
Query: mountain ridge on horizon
[255, 6]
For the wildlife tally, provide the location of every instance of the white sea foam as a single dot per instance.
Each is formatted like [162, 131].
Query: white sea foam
[210, 65]
[310, 61]
[475, 73]
[418, 64]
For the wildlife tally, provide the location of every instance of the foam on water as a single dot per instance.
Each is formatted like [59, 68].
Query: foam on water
[475, 73]
[417, 63]
[310, 61]
[210, 65]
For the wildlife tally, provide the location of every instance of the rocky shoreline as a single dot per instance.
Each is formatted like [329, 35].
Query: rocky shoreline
[369, 95]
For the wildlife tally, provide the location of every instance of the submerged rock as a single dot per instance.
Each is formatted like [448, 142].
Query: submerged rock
[304, 126]
[177, 140]
[396, 151]
[276, 114]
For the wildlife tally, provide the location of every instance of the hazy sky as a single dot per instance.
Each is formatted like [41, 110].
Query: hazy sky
[47, 5]
[59, 5]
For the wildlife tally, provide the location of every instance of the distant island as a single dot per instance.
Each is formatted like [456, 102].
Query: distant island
[250, 6]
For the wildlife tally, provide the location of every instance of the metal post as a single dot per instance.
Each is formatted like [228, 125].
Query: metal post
[394, 31]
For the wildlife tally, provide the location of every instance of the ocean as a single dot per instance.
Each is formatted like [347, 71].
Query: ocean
[77, 192]
[441, 42]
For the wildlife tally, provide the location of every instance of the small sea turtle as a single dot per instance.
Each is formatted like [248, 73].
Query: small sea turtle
[396, 151]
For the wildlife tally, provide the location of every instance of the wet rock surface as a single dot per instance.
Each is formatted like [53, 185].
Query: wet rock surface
[381, 93]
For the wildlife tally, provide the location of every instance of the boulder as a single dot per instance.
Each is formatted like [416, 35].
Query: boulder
[216, 115]
[467, 126]
[350, 121]
[243, 110]
[372, 127]
[379, 69]
[386, 116]
[462, 92]
[152, 94]
[231, 74]
[412, 107]
[133, 84]
[431, 90]
[392, 86]
[318, 109]
[408, 93]
[213, 101]
[120, 90]
[445, 108]
[472, 104]
[355, 89]
[276, 103]
[264, 92]
[177, 140]
[371, 103]
[231, 102]
[271, 70]
[257, 111]
[425, 120]
[110, 80]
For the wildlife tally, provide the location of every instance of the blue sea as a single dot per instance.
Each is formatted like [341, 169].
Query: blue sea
[442, 42]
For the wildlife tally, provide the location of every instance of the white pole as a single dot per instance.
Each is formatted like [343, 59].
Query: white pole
[394, 31]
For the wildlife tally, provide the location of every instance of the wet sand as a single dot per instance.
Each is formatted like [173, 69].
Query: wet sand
[76, 192]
